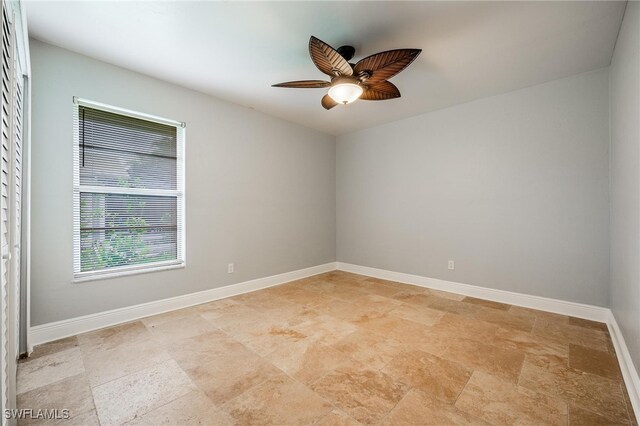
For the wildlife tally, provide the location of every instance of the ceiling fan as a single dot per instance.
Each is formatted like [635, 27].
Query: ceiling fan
[365, 80]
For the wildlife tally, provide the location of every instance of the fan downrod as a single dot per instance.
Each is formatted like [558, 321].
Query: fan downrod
[346, 52]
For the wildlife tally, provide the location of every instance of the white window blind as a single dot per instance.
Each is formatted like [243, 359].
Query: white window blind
[128, 191]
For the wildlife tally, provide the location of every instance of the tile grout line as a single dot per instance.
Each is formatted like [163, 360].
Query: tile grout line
[124, 375]
[93, 397]
[626, 404]
[388, 413]
[463, 388]
[154, 408]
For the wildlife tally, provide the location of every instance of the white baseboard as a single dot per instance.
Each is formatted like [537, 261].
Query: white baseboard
[60, 329]
[57, 330]
[629, 372]
[578, 310]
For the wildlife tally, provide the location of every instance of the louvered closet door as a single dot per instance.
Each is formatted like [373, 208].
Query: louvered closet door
[9, 308]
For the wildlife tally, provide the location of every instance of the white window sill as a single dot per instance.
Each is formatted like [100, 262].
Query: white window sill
[95, 276]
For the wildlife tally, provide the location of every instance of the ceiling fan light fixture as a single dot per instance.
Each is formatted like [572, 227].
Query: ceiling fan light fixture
[367, 80]
[345, 93]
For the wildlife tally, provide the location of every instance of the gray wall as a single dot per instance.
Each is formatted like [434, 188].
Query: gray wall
[625, 180]
[260, 192]
[513, 188]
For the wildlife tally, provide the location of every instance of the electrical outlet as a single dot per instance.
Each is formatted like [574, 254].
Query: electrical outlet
[452, 265]
[230, 268]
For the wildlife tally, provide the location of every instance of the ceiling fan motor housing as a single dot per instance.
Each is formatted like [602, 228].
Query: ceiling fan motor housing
[346, 52]
[343, 79]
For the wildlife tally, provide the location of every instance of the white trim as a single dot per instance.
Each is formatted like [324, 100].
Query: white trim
[129, 191]
[123, 271]
[76, 189]
[127, 112]
[629, 372]
[70, 327]
[573, 309]
[178, 194]
[26, 170]
[181, 175]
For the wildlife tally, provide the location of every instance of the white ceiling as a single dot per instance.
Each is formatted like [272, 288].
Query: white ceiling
[235, 51]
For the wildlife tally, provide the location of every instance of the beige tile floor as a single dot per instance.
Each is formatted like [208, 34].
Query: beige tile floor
[335, 349]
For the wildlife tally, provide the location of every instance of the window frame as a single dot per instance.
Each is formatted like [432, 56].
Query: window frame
[179, 193]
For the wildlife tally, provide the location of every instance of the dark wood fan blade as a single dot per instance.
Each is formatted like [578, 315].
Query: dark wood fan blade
[327, 59]
[327, 102]
[384, 65]
[380, 92]
[304, 84]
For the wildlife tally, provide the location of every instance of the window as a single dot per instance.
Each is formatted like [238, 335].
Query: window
[128, 192]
